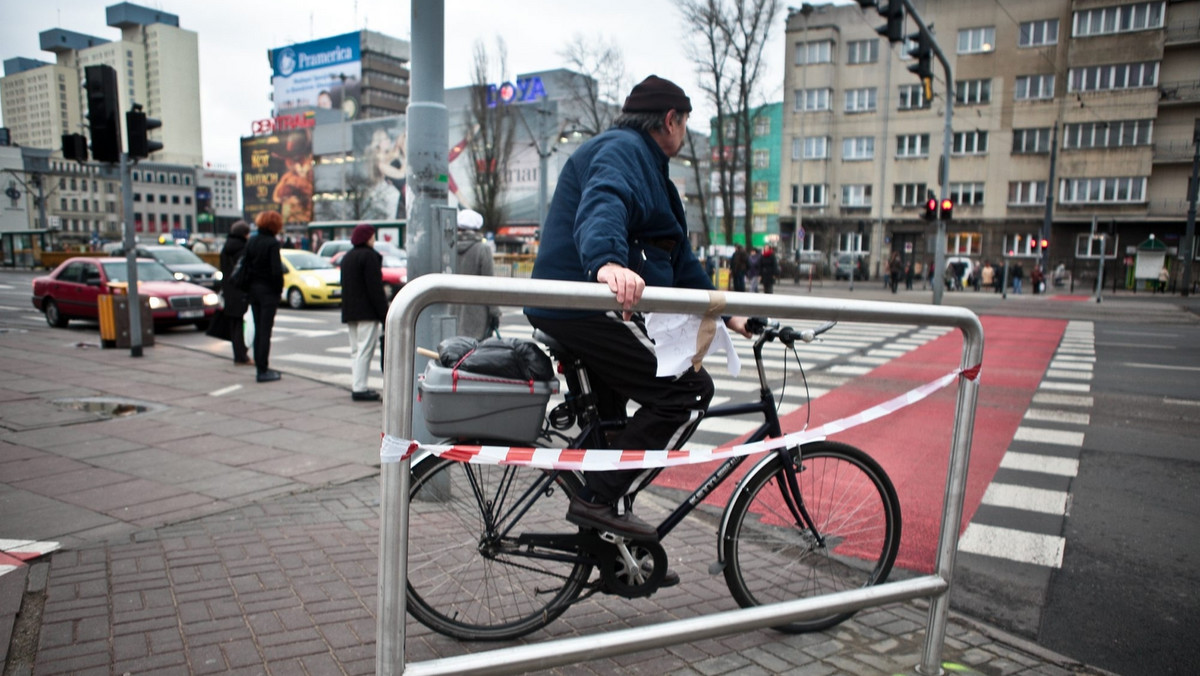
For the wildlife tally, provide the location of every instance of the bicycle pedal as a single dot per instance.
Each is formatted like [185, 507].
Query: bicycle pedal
[613, 538]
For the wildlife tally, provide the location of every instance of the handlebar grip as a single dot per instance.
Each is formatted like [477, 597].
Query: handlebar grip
[756, 325]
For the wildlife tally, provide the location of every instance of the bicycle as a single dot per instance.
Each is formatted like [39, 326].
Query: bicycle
[494, 558]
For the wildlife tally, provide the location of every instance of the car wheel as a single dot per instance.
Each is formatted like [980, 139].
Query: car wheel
[295, 298]
[53, 316]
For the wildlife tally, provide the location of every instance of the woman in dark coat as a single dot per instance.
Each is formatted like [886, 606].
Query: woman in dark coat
[364, 307]
[266, 285]
[235, 299]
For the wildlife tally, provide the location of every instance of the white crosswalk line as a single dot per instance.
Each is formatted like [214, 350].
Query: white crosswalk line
[1015, 545]
[1045, 436]
[1065, 387]
[1024, 497]
[1062, 399]
[1046, 464]
[1054, 415]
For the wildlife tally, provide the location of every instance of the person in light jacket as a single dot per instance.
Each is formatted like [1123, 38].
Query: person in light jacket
[474, 258]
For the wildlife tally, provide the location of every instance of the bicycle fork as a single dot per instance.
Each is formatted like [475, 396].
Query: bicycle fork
[792, 496]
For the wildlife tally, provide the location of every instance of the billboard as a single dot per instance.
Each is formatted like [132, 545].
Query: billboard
[325, 73]
[277, 175]
[371, 186]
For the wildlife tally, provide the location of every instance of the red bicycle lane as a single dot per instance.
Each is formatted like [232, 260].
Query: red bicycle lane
[913, 444]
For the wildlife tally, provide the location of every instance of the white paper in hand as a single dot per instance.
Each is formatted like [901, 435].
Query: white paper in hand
[675, 342]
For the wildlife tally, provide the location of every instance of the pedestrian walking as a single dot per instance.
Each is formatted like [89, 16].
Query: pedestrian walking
[1163, 276]
[753, 270]
[768, 268]
[265, 268]
[364, 307]
[474, 258]
[738, 264]
[1018, 273]
[235, 300]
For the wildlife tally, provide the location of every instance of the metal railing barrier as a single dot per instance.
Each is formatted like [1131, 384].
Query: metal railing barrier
[398, 405]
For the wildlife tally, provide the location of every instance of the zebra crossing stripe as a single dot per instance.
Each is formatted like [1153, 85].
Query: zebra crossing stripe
[1015, 545]
[1045, 464]
[1054, 415]
[1040, 435]
[1023, 497]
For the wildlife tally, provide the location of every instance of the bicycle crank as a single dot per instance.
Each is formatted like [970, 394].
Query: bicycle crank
[631, 568]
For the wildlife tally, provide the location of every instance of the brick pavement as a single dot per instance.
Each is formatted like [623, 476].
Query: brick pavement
[235, 530]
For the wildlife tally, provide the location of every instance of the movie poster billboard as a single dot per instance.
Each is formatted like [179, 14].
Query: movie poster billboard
[277, 175]
[325, 73]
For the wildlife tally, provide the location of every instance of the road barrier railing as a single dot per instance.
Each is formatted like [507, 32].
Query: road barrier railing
[400, 398]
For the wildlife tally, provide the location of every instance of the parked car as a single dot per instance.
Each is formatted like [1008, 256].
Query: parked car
[309, 279]
[187, 266]
[70, 292]
[844, 263]
[395, 267]
[334, 247]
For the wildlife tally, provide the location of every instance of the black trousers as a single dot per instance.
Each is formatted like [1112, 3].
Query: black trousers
[264, 301]
[620, 357]
[235, 307]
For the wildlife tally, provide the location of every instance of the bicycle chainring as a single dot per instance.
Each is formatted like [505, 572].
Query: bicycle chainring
[632, 569]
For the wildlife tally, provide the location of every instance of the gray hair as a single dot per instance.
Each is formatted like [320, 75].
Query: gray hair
[647, 122]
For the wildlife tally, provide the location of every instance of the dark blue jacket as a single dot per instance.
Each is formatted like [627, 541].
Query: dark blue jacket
[615, 202]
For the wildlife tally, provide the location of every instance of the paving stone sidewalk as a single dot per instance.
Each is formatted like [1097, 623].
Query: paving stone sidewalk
[232, 527]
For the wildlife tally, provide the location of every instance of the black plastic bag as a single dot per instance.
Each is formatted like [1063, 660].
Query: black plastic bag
[221, 325]
[511, 358]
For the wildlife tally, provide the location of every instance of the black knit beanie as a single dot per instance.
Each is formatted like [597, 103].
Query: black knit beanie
[654, 94]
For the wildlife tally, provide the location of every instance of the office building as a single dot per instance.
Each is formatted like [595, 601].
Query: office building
[1101, 96]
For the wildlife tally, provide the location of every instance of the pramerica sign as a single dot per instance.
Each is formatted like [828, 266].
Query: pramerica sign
[325, 73]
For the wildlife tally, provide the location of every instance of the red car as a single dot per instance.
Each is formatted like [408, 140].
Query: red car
[70, 291]
[395, 268]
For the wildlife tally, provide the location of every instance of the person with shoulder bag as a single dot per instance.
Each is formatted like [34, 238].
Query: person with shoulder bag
[364, 307]
[263, 268]
[235, 298]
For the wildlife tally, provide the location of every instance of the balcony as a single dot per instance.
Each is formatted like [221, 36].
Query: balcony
[1182, 33]
[1179, 93]
[1173, 152]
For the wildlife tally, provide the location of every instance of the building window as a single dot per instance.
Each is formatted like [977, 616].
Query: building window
[912, 97]
[762, 159]
[813, 195]
[1031, 141]
[1113, 76]
[976, 40]
[969, 143]
[1038, 33]
[815, 147]
[967, 193]
[1026, 193]
[813, 99]
[137, 197]
[862, 51]
[968, 92]
[820, 51]
[1118, 19]
[760, 190]
[856, 195]
[1034, 87]
[860, 100]
[909, 194]
[1108, 134]
[762, 125]
[858, 148]
[912, 145]
[1116, 190]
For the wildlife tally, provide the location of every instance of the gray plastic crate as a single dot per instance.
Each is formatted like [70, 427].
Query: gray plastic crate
[481, 406]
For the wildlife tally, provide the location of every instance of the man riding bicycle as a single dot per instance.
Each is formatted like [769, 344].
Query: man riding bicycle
[616, 218]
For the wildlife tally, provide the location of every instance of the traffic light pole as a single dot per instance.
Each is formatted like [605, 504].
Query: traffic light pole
[135, 300]
[939, 248]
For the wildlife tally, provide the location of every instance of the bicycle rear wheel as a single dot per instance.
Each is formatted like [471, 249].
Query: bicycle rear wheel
[467, 577]
[770, 558]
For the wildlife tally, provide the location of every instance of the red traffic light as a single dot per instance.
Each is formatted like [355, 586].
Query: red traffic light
[931, 206]
[1044, 243]
[947, 208]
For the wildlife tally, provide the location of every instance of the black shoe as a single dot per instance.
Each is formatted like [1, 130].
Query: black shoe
[605, 518]
[268, 376]
[365, 395]
[670, 579]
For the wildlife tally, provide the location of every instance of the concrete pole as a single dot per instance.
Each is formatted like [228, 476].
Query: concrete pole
[1189, 239]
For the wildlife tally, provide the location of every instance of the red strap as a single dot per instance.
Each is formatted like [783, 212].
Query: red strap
[973, 372]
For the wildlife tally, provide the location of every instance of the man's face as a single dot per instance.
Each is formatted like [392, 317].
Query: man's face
[676, 132]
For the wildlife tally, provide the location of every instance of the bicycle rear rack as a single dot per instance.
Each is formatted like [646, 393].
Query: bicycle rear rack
[400, 397]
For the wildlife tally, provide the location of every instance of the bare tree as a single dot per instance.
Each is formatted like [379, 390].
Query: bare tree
[733, 35]
[595, 98]
[491, 147]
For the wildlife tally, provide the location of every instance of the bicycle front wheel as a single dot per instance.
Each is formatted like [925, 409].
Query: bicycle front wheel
[771, 557]
[467, 577]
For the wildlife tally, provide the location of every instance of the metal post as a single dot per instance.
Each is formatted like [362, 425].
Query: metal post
[1189, 239]
[135, 300]
[1047, 220]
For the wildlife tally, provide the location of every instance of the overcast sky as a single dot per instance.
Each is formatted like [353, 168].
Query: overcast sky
[234, 36]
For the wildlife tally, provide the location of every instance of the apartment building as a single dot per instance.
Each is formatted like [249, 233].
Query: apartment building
[766, 144]
[1088, 103]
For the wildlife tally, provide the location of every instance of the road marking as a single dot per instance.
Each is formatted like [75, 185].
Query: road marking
[1063, 399]
[1070, 365]
[1023, 497]
[224, 391]
[1045, 464]
[315, 359]
[1044, 436]
[1054, 415]
[1164, 367]
[1067, 375]
[1182, 402]
[1141, 345]
[1014, 545]
[1065, 387]
[850, 370]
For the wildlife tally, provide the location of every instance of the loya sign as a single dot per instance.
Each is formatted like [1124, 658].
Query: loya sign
[526, 90]
[283, 123]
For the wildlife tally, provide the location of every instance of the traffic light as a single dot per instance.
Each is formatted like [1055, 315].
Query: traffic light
[947, 208]
[894, 13]
[931, 207]
[923, 53]
[104, 121]
[74, 147]
[1043, 244]
[138, 125]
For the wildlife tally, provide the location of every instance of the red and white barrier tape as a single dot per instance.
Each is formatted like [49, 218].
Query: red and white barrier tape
[395, 449]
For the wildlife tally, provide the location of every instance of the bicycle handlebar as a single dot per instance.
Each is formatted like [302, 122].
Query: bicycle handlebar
[787, 335]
